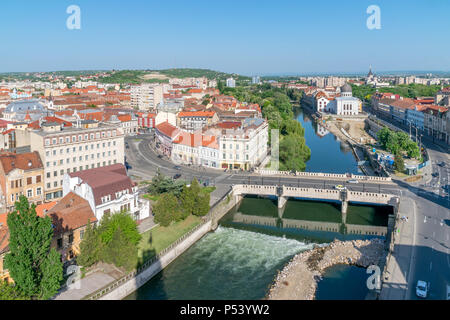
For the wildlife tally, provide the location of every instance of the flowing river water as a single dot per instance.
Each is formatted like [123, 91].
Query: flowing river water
[242, 257]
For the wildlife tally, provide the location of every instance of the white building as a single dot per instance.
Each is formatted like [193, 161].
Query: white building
[346, 104]
[84, 146]
[231, 83]
[108, 190]
[146, 96]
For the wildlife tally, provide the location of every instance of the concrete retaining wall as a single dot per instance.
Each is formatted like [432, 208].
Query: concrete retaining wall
[133, 284]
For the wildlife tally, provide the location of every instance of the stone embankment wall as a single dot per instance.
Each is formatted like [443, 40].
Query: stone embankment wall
[133, 281]
[298, 280]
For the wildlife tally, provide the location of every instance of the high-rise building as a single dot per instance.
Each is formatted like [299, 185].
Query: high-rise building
[256, 80]
[231, 83]
[146, 96]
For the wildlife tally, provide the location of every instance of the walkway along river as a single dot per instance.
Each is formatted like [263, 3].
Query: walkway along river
[242, 257]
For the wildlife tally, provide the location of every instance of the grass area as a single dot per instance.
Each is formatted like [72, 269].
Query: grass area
[209, 189]
[151, 197]
[400, 174]
[159, 238]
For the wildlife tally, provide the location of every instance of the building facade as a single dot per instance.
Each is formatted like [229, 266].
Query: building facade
[84, 146]
[21, 174]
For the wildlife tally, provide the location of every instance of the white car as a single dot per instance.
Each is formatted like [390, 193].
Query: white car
[340, 187]
[422, 289]
[353, 181]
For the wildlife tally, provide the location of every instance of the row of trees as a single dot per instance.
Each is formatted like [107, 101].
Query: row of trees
[412, 90]
[277, 108]
[398, 142]
[35, 267]
[177, 200]
[115, 241]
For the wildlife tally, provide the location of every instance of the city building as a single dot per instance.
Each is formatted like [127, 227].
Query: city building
[165, 134]
[242, 145]
[86, 145]
[194, 120]
[435, 122]
[346, 104]
[146, 96]
[107, 190]
[256, 80]
[70, 217]
[20, 174]
[231, 83]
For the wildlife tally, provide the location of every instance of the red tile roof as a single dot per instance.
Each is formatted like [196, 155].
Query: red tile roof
[70, 213]
[105, 180]
[25, 161]
[167, 129]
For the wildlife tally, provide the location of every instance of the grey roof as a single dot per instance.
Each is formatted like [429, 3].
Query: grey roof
[24, 106]
[346, 88]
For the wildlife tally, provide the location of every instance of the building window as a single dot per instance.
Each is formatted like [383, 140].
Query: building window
[38, 191]
[29, 193]
[29, 180]
[71, 238]
[38, 179]
[81, 234]
[59, 243]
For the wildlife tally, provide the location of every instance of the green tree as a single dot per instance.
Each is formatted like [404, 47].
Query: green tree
[90, 247]
[202, 204]
[10, 292]
[293, 153]
[121, 251]
[123, 220]
[399, 164]
[166, 209]
[35, 267]
[187, 201]
[412, 149]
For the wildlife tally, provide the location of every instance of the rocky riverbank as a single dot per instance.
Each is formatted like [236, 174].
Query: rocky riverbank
[298, 280]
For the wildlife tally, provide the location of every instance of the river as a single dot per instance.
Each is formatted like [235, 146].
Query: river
[242, 257]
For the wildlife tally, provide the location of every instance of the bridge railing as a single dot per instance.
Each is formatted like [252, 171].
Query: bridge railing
[322, 175]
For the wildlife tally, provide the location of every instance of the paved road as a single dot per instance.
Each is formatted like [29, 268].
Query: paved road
[430, 259]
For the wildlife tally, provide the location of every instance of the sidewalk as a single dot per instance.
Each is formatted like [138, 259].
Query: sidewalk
[395, 283]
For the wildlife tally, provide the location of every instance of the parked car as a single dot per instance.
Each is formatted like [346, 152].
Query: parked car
[178, 175]
[422, 289]
[353, 181]
[441, 164]
[340, 187]
[435, 174]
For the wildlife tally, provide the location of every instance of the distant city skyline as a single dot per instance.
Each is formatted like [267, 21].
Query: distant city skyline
[249, 38]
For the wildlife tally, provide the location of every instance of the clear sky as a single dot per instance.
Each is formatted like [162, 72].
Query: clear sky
[242, 36]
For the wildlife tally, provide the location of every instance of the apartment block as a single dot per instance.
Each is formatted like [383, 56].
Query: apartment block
[86, 145]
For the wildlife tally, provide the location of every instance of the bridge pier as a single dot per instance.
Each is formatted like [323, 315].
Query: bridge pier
[281, 205]
[344, 207]
[344, 213]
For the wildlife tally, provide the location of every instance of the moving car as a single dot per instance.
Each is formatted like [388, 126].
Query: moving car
[353, 181]
[441, 164]
[422, 289]
[177, 168]
[176, 176]
[340, 187]
[435, 174]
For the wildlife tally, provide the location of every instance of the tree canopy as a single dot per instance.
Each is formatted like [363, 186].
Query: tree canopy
[35, 267]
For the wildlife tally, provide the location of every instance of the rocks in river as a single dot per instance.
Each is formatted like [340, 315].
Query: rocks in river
[305, 269]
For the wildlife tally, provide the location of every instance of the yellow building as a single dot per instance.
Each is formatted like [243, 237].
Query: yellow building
[21, 174]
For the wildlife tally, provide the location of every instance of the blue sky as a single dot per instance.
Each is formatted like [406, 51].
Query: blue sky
[242, 36]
